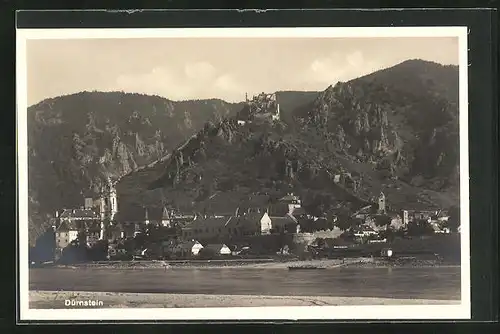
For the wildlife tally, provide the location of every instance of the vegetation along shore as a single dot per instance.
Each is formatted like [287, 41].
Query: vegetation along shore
[259, 264]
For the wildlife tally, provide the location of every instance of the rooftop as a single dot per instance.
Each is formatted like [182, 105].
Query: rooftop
[281, 221]
[289, 197]
[215, 247]
[299, 211]
[138, 213]
[79, 214]
[212, 222]
[188, 244]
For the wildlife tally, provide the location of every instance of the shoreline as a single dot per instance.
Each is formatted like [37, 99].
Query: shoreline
[234, 264]
[39, 299]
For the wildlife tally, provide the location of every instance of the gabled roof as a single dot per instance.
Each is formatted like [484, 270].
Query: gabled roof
[426, 211]
[137, 213]
[291, 217]
[298, 211]
[363, 210]
[289, 197]
[226, 203]
[435, 227]
[67, 224]
[95, 225]
[79, 213]
[167, 243]
[188, 244]
[363, 228]
[252, 218]
[339, 242]
[282, 221]
[116, 228]
[212, 222]
[165, 215]
[215, 247]
[279, 208]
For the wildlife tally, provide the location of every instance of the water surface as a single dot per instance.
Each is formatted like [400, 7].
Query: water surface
[427, 283]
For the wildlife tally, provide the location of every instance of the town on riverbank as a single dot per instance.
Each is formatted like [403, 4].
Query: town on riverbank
[263, 232]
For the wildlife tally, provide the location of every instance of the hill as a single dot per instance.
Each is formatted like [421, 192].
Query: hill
[339, 150]
[76, 141]
[395, 130]
[290, 100]
[419, 78]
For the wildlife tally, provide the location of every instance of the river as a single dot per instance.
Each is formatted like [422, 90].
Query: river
[407, 283]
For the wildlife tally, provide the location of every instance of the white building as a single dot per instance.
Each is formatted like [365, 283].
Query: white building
[220, 249]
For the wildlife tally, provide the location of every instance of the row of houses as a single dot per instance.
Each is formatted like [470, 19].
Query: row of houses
[240, 225]
[89, 225]
[194, 248]
[101, 220]
[401, 218]
[262, 107]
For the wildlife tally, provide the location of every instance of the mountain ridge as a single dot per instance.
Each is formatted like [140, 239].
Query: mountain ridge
[77, 141]
[369, 130]
[353, 108]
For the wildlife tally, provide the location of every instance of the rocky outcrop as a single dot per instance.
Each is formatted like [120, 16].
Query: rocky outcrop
[354, 140]
[346, 144]
[77, 141]
[401, 133]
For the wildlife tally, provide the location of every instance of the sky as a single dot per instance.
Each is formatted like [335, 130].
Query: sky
[225, 68]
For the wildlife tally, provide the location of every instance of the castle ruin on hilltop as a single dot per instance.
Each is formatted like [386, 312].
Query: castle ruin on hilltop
[262, 107]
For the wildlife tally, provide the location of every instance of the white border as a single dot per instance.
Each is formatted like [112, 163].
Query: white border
[403, 312]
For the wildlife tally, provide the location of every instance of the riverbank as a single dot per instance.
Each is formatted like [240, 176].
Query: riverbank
[258, 264]
[77, 299]
[401, 263]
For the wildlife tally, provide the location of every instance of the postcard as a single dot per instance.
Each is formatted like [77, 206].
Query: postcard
[243, 173]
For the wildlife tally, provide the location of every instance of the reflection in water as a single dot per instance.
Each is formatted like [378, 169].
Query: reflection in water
[428, 283]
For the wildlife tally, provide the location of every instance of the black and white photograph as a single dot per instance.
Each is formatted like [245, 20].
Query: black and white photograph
[243, 173]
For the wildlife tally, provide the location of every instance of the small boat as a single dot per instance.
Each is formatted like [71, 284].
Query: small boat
[304, 267]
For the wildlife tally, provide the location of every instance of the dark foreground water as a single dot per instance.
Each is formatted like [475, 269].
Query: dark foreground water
[427, 283]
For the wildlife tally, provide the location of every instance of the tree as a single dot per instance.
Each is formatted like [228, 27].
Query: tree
[388, 234]
[320, 242]
[454, 219]
[76, 251]
[420, 227]
[140, 241]
[207, 253]
[44, 246]
[319, 205]
[346, 224]
[306, 225]
[99, 251]
[383, 220]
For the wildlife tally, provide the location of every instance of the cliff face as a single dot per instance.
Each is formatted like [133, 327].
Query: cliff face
[77, 141]
[407, 136]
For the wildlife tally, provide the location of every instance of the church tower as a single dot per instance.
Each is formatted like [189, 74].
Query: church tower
[381, 203]
[165, 220]
[108, 202]
[112, 199]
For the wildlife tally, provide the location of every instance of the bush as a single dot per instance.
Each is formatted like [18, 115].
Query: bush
[420, 228]
[207, 254]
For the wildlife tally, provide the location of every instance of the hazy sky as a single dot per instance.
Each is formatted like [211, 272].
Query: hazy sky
[226, 68]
